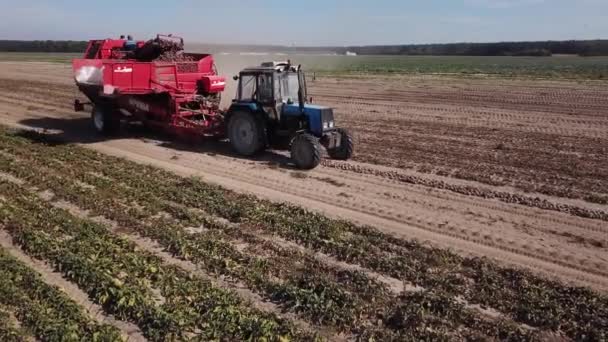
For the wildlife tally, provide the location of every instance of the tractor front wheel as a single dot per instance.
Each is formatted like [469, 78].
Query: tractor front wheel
[346, 148]
[104, 121]
[246, 133]
[306, 151]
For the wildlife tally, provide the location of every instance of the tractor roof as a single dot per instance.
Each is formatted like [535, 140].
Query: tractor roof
[258, 70]
[270, 67]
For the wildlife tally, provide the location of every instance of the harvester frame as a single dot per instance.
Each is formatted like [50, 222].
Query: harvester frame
[182, 97]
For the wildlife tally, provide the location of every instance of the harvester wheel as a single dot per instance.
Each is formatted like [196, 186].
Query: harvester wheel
[346, 148]
[246, 133]
[306, 151]
[104, 121]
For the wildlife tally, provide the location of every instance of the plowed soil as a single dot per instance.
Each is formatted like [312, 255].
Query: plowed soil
[547, 137]
[512, 170]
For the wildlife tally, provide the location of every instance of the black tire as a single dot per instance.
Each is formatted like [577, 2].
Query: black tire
[104, 121]
[346, 148]
[246, 133]
[306, 151]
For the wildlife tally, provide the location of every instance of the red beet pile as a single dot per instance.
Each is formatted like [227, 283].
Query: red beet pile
[172, 52]
[164, 51]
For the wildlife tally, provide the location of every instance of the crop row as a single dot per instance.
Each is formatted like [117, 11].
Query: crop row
[326, 296]
[43, 309]
[430, 321]
[524, 297]
[10, 331]
[280, 275]
[314, 293]
[163, 300]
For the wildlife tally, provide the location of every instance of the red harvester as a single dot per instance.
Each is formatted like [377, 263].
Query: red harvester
[155, 83]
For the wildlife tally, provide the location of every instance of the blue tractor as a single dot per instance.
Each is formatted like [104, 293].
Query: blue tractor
[271, 111]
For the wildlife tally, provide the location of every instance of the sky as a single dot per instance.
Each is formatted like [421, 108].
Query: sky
[308, 22]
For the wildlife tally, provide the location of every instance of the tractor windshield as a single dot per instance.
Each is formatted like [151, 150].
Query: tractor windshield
[289, 87]
[247, 88]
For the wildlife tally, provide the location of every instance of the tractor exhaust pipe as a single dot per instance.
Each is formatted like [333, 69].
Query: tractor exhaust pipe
[301, 98]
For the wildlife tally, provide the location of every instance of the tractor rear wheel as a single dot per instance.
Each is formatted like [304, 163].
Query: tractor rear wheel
[246, 133]
[306, 151]
[104, 121]
[346, 148]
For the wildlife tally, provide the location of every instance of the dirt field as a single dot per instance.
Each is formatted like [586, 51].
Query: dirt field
[516, 171]
[547, 137]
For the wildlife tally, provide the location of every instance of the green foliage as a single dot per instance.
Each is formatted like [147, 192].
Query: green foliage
[43, 309]
[121, 278]
[133, 195]
[9, 331]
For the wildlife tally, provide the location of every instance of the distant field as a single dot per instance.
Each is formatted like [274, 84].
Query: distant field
[572, 67]
[543, 67]
[56, 57]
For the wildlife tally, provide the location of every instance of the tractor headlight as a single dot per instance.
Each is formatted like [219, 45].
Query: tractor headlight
[327, 118]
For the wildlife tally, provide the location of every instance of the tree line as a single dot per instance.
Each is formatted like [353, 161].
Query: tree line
[42, 46]
[540, 48]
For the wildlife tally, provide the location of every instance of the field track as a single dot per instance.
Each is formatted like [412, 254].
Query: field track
[429, 167]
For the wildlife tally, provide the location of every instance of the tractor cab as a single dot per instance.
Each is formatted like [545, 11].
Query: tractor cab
[271, 110]
[273, 85]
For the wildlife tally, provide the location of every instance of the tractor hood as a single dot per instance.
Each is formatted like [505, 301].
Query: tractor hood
[320, 118]
[311, 106]
[294, 107]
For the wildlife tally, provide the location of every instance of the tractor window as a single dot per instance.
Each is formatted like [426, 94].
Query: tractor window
[277, 88]
[265, 88]
[290, 86]
[248, 88]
